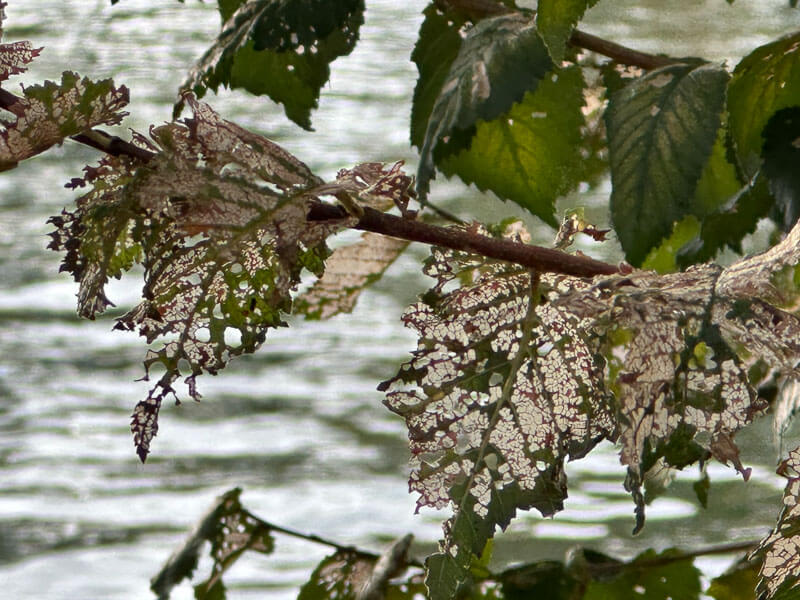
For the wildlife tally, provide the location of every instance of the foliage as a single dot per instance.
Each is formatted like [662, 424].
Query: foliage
[526, 356]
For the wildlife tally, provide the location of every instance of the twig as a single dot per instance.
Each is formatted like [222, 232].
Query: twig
[619, 53]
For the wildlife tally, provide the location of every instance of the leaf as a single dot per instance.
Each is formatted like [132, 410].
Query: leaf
[493, 402]
[661, 130]
[781, 154]
[556, 19]
[14, 56]
[281, 48]
[737, 583]
[219, 216]
[534, 149]
[676, 580]
[339, 576]
[515, 373]
[50, 112]
[348, 271]
[231, 529]
[436, 48]
[499, 60]
[765, 81]
[780, 571]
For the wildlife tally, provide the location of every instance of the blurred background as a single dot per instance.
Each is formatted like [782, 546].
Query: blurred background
[300, 425]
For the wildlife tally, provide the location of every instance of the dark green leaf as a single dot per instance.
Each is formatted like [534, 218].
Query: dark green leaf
[765, 81]
[646, 579]
[556, 19]
[701, 487]
[737, 583]
[661, 130]
[281, 48]
[436, 49]
[546, 579]
[781, 154]
[530, 155]
[500, 59]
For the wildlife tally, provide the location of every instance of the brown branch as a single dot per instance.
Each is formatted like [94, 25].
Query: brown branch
[542, 259]
[619, 53]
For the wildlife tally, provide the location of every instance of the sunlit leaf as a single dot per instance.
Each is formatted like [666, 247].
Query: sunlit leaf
[780, 570]
[533, 149]
[765, 81]
[499, 60]
[556, 19]
[51, 112]
[281, 48]
[661, 130]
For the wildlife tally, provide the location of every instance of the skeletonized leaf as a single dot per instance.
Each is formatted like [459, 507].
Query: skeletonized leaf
[511, 377]
[231, 529]
[661, 130]
[500, 59]
[50, 112]
[339, 576]
[218, 219]
[765, 81]
[780, 570]
[279, 48]
[494, 404]
[348, 271]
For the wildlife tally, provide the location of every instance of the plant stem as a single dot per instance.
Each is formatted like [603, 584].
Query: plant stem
[619, 53]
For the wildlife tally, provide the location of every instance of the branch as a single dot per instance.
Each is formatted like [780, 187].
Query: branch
[619, 53]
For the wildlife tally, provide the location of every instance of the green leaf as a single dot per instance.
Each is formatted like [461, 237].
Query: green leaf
[545, 579]
[737, 583]
[765, 81]
[279, 48]
[661, 130]
[500, 59]
[437, 47]
[646, 579]
[664, 257]
[781, 155]
[556, 19]
[533, 149]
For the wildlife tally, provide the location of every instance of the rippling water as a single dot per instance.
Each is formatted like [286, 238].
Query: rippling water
[299, 426]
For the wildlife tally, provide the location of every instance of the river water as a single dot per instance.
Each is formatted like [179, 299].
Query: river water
[300, 425]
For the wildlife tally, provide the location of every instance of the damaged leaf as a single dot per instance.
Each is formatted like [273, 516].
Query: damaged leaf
[514, 373]
[50, 112]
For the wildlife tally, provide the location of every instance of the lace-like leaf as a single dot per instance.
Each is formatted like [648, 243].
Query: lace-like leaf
[780, 570]
[661, 130]
[281, 49]
[232, 530]
[219, 216]
[50, 112]
[510, 378]
[339, 576]
[499, 60]
[494, 404]
[14, 56]
[348, 271]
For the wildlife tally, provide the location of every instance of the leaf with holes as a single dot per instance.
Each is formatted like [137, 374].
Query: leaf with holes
[661, 130]
[14, 56]
[500, 59]
[494, 403]
[780, 550]
[218, 219]
[278, 48]
[514, 373]
[50, 112]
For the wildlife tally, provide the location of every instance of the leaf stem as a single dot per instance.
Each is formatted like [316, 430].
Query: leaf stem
[619, 53]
